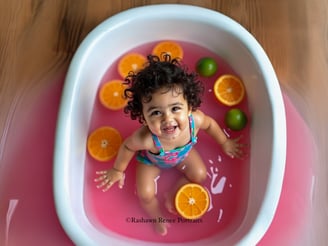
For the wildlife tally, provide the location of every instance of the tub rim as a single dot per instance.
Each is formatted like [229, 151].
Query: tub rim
[274, 184]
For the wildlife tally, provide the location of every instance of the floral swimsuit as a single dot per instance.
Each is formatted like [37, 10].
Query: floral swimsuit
[170, 158]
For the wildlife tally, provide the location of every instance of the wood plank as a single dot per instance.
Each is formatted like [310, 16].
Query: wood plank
[38, 39]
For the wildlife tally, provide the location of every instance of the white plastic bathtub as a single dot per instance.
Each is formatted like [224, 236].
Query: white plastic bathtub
[203, 27]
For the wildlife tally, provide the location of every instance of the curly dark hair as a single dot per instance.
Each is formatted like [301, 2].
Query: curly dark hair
[157, 74]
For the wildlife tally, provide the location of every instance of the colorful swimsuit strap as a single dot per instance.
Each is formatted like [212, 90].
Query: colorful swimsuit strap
[192, 129]
[192, 133]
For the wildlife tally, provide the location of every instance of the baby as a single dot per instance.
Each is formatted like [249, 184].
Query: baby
[164, 97]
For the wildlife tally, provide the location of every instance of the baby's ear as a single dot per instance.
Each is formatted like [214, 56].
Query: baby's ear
[143, 121]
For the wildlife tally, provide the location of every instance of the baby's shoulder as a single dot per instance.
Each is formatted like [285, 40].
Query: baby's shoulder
[198, 117]
[143, 137]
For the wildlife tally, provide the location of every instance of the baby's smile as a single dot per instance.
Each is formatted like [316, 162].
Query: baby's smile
[169, 129]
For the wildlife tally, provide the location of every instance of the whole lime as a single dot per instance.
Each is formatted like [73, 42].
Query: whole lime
[206, 66]
[235, 119]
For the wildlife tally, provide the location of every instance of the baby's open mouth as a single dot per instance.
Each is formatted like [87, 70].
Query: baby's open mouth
[169, 129]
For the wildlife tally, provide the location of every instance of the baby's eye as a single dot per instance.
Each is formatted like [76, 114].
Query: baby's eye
[155, 113]
[176, 108]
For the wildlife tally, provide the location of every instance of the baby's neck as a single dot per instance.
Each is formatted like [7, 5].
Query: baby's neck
[177, 141]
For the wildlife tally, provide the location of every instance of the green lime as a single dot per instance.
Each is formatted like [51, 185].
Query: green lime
[235, 119]
[206, 66]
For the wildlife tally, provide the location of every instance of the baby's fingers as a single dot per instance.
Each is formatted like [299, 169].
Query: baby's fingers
[238, 154]
[102, 176]
[105, 185]
[105, 181]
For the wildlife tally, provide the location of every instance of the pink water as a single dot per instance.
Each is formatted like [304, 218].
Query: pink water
[26, 175]
[227, 182]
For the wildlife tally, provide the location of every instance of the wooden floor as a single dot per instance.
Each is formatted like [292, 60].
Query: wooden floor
[39, 37]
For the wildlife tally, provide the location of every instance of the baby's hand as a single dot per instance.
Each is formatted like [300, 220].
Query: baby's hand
[233, 148]
[109, 177]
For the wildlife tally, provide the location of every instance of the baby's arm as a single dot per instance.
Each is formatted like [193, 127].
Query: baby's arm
[126, 151]
[231, 147]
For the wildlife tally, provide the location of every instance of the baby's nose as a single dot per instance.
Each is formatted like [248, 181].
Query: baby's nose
[167, 117]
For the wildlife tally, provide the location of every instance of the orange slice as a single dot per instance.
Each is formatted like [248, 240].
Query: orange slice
[103, 143]
[131, 62]
[192, 201]
[111, 95]
[229, 90]
[172, 48]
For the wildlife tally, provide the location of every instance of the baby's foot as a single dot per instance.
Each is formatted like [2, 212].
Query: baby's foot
[169, 203]
[161, 228]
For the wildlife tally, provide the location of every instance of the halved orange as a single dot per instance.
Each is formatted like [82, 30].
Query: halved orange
[111, 95]
[192, 201]
[168, 47]
[131, 62]
[229, 90]
[103, 143]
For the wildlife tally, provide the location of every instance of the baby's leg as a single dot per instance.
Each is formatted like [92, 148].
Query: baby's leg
[193, 168]
[194, 171]
[146, 190]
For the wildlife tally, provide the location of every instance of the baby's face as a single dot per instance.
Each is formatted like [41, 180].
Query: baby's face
[166, 115]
